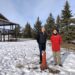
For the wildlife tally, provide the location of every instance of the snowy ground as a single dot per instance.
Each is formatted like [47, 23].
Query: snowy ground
[22, 58]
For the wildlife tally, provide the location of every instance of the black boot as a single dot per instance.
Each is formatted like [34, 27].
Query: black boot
[60, 65]
[40, 62]
[55, 64]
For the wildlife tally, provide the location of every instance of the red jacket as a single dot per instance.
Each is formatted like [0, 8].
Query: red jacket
[56, 41]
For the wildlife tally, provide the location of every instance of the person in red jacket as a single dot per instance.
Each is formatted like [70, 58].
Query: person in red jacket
[56, 41]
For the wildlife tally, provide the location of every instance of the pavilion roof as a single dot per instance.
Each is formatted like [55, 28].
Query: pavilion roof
[5, 22]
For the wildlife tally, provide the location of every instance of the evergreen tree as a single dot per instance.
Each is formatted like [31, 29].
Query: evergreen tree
[17, 31]
[58, 22]
[65, 18]
[27, 31]
[34, 34]
[37, 28]
[66, 13]
[37, 25]
[50, 24]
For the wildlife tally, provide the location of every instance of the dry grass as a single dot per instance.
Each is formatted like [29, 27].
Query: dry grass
[68, 46]
[20, 66]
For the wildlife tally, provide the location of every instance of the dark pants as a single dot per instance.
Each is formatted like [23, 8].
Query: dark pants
[42, 47]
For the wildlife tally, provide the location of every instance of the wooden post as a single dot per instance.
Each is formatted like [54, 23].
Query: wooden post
[3, 33]
[15, 33]
[12, 27]
[8, 35]
[4, 37]
[1, 36]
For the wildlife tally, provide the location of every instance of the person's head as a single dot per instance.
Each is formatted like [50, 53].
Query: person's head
[42, 29]
[55, 31]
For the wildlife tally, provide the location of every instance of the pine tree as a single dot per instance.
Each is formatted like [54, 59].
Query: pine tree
[58, 22]
[37, 25]
[17, 31]
[65, 18]
[50, 24]
[27, 31]
[37, 28]
[66, 13]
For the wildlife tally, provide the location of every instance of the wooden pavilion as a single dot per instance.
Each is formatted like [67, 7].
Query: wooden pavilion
[7, 34]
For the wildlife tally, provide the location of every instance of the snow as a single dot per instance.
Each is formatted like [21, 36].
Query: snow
[22, 58]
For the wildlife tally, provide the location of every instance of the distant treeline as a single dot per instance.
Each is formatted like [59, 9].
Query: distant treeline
[62, 24]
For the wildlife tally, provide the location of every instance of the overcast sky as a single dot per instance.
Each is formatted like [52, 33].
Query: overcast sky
[21, 11]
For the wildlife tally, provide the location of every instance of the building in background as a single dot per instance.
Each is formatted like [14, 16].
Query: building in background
[7, 29]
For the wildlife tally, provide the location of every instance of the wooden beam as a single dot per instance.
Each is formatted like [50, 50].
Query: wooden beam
[3, 33]
[8, 35]
[15, 33]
